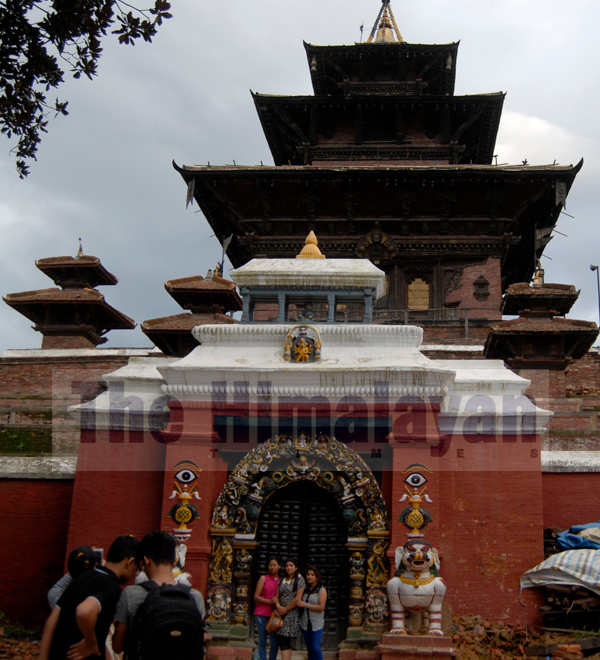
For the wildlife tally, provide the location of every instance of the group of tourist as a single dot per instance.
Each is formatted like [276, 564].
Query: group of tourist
[89, 599]
[298, 601]
[156, 618]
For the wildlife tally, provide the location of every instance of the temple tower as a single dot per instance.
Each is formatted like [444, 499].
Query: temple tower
[386, 162]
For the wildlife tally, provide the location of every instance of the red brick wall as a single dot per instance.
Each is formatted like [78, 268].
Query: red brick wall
[487, 517]
[569, 499]
[33, 545]
[488, 308]
[491, 533]
[118, 487]
[66, 342]
[583, 376]
[35, 393]
[38, 377]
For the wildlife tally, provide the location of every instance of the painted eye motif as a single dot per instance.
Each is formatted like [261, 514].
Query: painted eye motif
[415, 480]
[186, 476]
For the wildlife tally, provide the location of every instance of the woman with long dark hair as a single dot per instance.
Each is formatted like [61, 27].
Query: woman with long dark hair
[290, 591]
[265, 596]
[312, 608]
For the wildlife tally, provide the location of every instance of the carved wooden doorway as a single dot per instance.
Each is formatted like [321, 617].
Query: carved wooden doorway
[305, 522]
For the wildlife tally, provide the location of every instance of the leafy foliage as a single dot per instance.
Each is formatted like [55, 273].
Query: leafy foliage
[40, 40]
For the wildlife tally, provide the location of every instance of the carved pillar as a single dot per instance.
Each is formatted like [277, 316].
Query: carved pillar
[357, 549]
[368, 317]
[245, 305]
[376, 603]
[242, 588]
[331, 310]
[219, 596]
[281, 308]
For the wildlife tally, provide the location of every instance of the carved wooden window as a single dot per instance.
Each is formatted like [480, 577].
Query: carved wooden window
[418, 294]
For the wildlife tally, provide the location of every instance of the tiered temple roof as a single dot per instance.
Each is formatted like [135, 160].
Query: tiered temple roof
[76, 315]
[539, 338]
[206, 299]
[384, 162]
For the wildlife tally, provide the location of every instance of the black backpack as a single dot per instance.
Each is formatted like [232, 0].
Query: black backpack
[167, 625]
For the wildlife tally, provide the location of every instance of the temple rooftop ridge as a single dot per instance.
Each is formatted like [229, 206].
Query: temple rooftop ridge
[555, 167]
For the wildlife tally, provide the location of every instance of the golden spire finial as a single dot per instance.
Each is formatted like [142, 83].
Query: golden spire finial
[80, 251]
[311, 248]
[385, 26]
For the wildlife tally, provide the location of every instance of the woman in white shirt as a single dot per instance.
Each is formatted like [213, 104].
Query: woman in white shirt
[312, 617]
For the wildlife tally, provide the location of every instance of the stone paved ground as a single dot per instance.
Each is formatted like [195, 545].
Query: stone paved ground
[473, 649]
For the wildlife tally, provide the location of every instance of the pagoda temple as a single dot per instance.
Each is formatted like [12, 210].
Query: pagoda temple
[206, 299]
[372, 262]
[385, 162]
[541, 338]
[74, 315]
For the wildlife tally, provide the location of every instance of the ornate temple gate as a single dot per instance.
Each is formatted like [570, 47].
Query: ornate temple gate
[304, 522]
[310, 497]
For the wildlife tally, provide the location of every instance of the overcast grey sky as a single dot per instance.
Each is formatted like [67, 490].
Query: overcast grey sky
[104, 172]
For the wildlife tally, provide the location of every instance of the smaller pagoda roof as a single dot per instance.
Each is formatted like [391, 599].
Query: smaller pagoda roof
[428, 69]
[553, 325]
[173, 334]
[85, 306]
[549, 299]
[540, 343]
[199, 294]
[296, 134]
[76, 272]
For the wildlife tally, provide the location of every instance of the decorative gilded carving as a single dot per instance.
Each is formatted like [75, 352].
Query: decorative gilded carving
[183, 512]
[357, 571]
[243, 561]
[240, 614]
[222, 559]
[377, 570]
[219, 601]
[376, 606]
[302, 344]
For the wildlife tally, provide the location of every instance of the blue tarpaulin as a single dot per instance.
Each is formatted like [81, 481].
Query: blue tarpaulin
[572, 540]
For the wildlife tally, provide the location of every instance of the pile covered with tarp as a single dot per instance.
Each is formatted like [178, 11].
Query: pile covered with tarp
[580, 536]
[579, 568]
[571, 582]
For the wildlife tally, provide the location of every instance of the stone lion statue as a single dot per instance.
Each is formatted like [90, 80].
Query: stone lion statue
[417, 587]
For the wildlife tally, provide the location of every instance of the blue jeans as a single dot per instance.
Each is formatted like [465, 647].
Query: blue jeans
[312, 639]
[261, 625]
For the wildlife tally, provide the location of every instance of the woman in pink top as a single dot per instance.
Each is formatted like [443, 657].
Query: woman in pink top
[264, 596]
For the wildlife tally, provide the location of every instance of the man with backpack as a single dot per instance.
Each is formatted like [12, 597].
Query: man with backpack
[79, 622]
[159, 619]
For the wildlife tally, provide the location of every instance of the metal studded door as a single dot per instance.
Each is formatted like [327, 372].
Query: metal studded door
[305, 522]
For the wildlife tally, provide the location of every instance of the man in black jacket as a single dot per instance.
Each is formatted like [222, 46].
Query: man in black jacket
[79, 623]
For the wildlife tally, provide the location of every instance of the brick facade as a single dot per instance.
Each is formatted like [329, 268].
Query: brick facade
[33, 544]
[478, 525]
